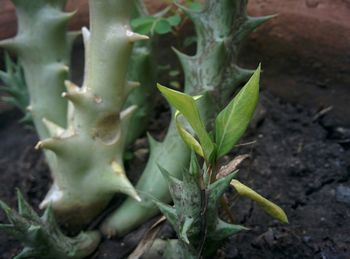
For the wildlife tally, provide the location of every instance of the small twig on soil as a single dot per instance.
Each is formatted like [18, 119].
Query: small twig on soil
[322, 112]
[148, 239]
[246, 144]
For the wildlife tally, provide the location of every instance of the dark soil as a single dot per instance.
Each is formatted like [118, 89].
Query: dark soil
[296, 162]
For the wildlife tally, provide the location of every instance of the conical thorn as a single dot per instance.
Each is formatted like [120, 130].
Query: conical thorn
[153, 143]
[184, 59]
[65, 17]
[133, 36]
[127, 113]
[49, 144]
[86, 35]
[130, 85]
[124, 184]
[54, 195]
[70, 86]
[53, 128]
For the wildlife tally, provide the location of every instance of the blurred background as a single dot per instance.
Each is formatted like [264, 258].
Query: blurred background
[304, 51]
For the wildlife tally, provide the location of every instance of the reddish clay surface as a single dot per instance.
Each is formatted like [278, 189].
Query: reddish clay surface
[313, 34]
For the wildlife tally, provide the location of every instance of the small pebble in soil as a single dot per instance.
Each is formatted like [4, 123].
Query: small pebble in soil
[343, 194]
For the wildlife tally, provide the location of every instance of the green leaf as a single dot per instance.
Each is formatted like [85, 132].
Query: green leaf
[174, 20]
[162, 26]
[143, 25]
[194, 165]
[186, 105]
[142, 21]
[144, 29]
[224, 230]
[168, 211]
[195, 7]
[232, 121]
[187, 137]
[271, 208]
[184, 228]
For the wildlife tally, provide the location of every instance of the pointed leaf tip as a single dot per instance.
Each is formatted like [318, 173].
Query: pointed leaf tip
[170, 179]
[187, 137]
[152, 142]
[168, 211]
[185, 228]
[5, 207]
[218, 187]
[187, 106]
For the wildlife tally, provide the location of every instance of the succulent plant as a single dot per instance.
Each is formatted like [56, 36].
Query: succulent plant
[83, 133]
[43, 49]
[187, 216]
[221, 27]
[142, 68]
[194, 215]
[15, 87]
[42, 237]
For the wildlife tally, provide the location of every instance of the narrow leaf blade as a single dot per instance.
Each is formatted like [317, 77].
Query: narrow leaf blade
[186, 105]
[188, 138]
[271, 208]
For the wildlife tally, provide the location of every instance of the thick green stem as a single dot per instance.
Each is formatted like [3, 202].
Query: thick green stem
[109, 49]
[85, 146]
[221, 27]
[143, 70]
[43, 49]
[157, 188]
[89, 152]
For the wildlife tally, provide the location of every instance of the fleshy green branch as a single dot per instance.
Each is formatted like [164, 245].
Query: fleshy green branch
[221, 27]
[42, 237]
[43, 48]
[84, 143]
[89, 152]
[142, 69]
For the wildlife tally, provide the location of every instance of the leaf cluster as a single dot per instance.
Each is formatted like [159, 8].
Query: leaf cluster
[230, 123]
[42, 236]
[194, 215]
[164, 21]
[15, 87]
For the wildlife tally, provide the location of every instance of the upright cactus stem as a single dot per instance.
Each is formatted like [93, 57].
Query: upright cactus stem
[89, 152]
[221, 27]
[85, 142]
[43, 48]
[109, 47]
